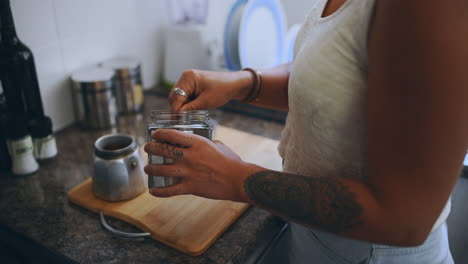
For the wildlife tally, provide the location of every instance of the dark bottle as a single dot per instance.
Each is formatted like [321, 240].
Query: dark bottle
[5, 161]
[17, 69]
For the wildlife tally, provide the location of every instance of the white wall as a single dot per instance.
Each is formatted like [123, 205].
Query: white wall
[67, 34]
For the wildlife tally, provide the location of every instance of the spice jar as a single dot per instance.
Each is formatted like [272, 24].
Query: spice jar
[195, 122]
[45, 147]
[20, 146]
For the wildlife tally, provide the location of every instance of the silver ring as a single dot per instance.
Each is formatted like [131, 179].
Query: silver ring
[178, 91]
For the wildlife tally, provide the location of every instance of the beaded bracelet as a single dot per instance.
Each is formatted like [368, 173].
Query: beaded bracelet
[257, 83]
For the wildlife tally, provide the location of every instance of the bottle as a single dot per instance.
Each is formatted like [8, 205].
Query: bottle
[45, 147]
[17, 69]
[20, 84]
[20, 146]
[5, 161]
[194, 122]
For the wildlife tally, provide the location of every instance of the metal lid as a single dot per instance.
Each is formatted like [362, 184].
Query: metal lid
[196, 117]
[40, 127]
[92, 74]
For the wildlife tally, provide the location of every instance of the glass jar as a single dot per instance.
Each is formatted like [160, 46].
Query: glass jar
[194, 122]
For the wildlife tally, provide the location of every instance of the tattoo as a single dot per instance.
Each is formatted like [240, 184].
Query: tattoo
[323, 202]
[171, 150]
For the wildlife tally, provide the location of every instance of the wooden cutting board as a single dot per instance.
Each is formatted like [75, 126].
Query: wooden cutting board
[188, 223]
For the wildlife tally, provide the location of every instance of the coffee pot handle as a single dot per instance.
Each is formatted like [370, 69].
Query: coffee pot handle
[120, 233]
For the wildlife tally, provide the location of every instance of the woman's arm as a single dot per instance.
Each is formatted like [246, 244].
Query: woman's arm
[208, 89]
[274, 88]
[417, 133]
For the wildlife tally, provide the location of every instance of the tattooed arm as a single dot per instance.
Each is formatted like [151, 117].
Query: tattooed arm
[341, 206]
[327, 202]
[417, 133]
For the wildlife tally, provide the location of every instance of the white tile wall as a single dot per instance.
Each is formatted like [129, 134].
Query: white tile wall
[65, 35]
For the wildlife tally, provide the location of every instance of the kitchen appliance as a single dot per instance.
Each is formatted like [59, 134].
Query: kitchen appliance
[188, 37]
[118, 168]
[128, 83]
[190, 42]
[185, 222]
[254, 34]
[93, 97]
[194, 122]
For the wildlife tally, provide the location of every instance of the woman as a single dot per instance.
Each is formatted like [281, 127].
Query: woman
[374, 140]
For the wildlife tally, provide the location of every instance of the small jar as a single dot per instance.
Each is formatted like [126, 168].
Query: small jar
[20, 146]
[45, 147]
[195, 122]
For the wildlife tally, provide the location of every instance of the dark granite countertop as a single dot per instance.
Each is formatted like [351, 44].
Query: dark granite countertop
[36, 206]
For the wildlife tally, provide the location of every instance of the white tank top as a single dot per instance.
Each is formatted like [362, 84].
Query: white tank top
[325, 131]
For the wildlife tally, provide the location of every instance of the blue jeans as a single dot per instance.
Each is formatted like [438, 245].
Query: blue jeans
[302, 245]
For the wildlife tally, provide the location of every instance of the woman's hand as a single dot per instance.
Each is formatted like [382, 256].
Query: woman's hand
[207, 89]
[208, 169]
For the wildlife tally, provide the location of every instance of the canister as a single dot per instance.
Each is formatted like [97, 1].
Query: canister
[93, 97]
[129, 87]
[194, 122]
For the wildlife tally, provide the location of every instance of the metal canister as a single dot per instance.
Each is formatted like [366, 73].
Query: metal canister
[129, 87]
[194, 122]
[93, 97]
